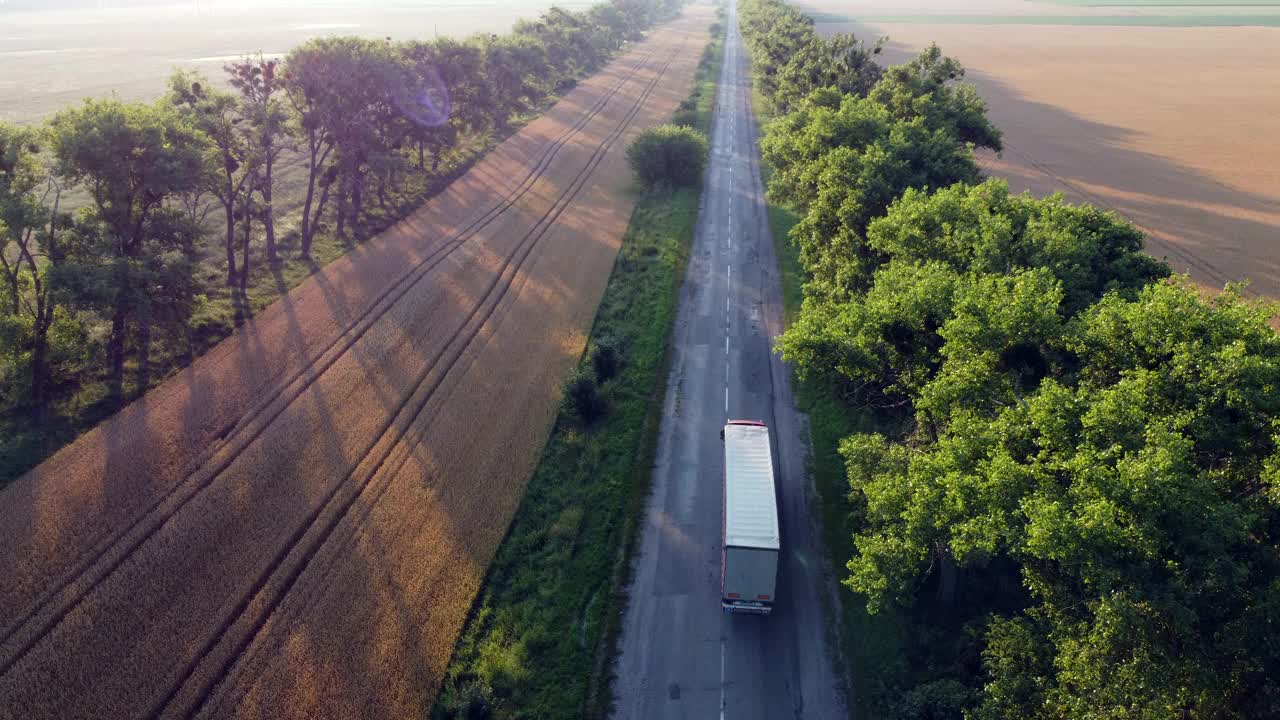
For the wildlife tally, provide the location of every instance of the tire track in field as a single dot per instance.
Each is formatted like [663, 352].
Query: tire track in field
[339, 508]
[1185, 254]
[78, 583]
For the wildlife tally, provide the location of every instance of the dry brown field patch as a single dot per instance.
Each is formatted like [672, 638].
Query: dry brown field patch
[1174, 128]
[296, 525]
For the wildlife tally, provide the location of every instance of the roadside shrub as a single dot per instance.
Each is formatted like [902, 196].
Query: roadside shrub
[937, 700]
[606, 359]
[687, 113]
[668, 156]
[584, 398]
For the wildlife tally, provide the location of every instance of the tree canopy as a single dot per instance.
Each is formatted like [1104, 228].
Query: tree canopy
[1136, 496]
[668, 156]
[1070, 488]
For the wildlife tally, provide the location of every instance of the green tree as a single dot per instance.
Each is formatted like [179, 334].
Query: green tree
[583, 396]
[514, 66]
[668, 156]
[840, 62]
[855, 184]
[1135, 496]
[29, 234]
[130, 159]
[264, 126]
[445, 98]
[343, 89]
[986, 229]
[774, 32]
[308, 72]
[929, 86]
[970, 278]
[216, 114]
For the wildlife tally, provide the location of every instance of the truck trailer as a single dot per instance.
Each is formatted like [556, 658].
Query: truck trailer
[750, 540]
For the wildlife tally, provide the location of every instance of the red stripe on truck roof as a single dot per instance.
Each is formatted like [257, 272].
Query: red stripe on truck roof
[745, 422]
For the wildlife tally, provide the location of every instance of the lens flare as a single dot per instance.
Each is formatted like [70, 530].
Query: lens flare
[427, 101]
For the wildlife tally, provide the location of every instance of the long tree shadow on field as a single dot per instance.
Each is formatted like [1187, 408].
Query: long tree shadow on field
[1216, 232]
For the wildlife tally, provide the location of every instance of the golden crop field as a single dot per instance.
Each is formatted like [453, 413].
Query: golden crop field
[296, 525]
[1162, 113]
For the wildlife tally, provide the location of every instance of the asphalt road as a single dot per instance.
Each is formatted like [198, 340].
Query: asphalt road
[682, 657]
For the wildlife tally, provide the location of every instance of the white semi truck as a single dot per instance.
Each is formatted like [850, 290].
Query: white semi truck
[751, 540]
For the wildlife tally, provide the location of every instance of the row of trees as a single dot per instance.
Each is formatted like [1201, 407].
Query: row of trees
[359, 114]
[1086, 487]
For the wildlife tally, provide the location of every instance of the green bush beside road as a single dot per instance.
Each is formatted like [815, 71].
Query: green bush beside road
[669, 156]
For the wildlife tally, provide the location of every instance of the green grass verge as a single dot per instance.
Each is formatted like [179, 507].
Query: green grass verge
[530, 648]
[543, 630]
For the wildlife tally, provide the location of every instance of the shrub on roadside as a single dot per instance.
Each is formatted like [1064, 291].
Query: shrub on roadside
[686, 113]
[668, 156]
[606, 359]
[584, 398]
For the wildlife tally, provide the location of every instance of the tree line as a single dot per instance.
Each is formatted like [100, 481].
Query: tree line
[1076, 503]
[111, 284]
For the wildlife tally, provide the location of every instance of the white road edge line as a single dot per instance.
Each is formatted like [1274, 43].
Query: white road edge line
[722, 698]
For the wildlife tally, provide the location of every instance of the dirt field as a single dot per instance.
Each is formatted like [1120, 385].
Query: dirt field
[296, 525]
[1172, 127]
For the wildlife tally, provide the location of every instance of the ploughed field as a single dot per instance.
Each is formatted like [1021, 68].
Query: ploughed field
[1170, 126]
[296, 525]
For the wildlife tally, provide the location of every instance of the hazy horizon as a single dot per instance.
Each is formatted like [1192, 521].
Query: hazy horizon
[214, 6]
[53, 56]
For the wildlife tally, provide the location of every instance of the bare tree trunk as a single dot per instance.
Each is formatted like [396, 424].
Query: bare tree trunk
[422, 161]
[40, 361]
[268, 212]
[144, 355]
[312, 170]
[45, 305]
[115, 348]
[11, 280]
[357, 198]
[229, 206]
[946, 596]
[343, 202]
[324, 199]
[244, 253]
